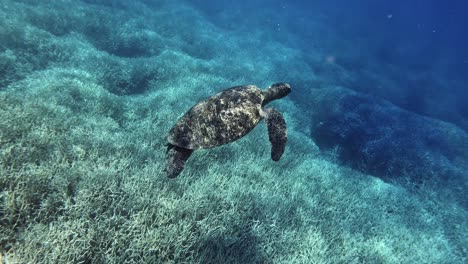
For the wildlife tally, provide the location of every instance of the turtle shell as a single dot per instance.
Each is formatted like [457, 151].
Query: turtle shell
[220, 119]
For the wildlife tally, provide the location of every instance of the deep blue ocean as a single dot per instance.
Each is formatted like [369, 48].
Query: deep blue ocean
[412, 53]
[375, 129]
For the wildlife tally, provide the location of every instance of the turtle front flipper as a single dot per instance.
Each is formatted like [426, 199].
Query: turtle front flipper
[276, 132]
[175, 160]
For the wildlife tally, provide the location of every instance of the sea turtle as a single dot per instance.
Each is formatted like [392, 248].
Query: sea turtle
[223, 118]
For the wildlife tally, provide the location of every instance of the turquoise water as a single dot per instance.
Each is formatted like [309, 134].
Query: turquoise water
[375, 168]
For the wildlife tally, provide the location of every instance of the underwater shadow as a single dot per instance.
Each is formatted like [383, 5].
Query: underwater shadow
[228, 249]
[378, 138]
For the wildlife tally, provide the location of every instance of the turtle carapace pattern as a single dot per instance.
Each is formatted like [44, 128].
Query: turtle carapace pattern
[223, 118]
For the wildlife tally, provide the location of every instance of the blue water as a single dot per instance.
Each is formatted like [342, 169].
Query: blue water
[376, 163]
[412, 53]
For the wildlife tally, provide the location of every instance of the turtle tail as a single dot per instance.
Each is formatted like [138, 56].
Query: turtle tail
[175, 160]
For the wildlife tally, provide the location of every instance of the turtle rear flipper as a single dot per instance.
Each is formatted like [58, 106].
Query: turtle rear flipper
[175, 160]
[276, 132]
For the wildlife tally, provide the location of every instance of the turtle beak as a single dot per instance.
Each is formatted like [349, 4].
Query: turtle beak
[282, 89]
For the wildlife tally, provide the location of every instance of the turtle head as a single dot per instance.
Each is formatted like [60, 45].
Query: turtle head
[276, 91]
